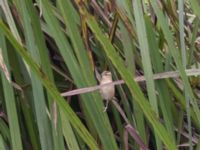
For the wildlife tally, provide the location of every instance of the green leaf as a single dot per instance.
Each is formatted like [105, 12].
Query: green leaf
[133, 86]
[9, 97]
[76, 123]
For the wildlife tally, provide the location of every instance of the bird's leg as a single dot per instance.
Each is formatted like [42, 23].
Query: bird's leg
[106, 107]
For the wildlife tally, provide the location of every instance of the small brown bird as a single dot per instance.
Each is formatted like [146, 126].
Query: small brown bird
[107, 92]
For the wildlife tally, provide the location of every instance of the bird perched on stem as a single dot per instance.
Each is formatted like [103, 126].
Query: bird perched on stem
[107, 92]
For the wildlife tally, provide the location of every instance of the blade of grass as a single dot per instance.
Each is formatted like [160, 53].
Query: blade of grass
[136, 92]
[46, 66]
[76, 123]
[10, 99]
[176, 55]
[9, 18]
[25, 98]
[144, 48]
[192, 41]
[43, 122]
[127, 76]
[2, 146]
[184, 62]
[129, 57]
[68, 133]
[129, 50]
[181, 99]
[80, 71]
[195, 7]
[164, 98]
[146, 61]
[5, 131]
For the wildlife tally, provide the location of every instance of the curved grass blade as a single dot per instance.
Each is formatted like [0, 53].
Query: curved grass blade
[128, 78]
[146, 60]
[81, 70]
[74, 120]
[9, 98]
[42, 50]
[164, 95]
[176, 55]
[184, 62]
[39, 102]
[69, 135]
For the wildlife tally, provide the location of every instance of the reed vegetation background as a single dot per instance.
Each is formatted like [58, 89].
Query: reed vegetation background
[50, 47]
